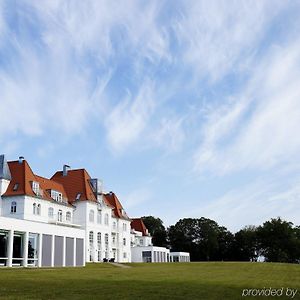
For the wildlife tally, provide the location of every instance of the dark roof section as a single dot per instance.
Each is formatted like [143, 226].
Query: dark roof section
[112, 200]
[4, 169]
[76, 182]
[138, 225]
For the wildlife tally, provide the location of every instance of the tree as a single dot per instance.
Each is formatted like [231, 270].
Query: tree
[279, 241]
[245, 244]
[203, 238]
[157, 230]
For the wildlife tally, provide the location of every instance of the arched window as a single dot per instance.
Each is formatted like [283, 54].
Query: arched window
[38, 209]
[68, 216]
[99, 217]
[13, 207]
[106, 240]
[91, 216]
[106, 219]
[91, 238]
[34, 208]
[59, 216]
[99, 240]
[50, 212]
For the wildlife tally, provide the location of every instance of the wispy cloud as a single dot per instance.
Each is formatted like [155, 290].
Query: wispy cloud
[254, 203]
[218, 38]
[257, 129]
[127, 120]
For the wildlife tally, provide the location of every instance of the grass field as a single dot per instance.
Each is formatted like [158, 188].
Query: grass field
[148, 281]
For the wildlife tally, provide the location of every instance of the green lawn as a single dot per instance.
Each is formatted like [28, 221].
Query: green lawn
[148, 281]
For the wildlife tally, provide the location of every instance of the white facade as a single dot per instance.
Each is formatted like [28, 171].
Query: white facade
[26, 219]
[150, 254]
[41, 228]
[180, 257]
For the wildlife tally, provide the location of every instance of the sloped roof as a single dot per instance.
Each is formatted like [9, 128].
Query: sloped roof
[138, 225]
[112, 200]
[76, 182]
[23, 176]
[4, 169]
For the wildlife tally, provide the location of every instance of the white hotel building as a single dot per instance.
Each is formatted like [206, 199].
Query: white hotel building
[66, 220]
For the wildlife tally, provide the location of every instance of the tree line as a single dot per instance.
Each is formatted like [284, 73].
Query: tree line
[276, 240]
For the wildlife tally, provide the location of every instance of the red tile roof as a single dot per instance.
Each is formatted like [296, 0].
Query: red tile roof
[112, 200]
[22, 175]
[138, 225]
[76, 182]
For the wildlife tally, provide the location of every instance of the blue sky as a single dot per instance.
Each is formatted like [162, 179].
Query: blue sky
[182, 108]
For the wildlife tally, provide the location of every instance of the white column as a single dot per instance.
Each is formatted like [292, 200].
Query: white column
[10, 248]
[64, 252]
[40, 247]
[25, 248]
[52, 250]
[74, 252]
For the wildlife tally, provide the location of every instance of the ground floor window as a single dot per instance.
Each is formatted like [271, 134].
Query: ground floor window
[32, 249]
[3, 248]
[18, 249]
[146, 255]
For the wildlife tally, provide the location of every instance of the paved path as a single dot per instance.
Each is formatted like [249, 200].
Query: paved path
[120, 265]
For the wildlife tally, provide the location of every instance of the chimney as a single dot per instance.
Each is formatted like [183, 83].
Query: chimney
[65, 170]
[21, 158]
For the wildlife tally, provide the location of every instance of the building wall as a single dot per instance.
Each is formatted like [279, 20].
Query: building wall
[94, 253]
[157, 254]
[25, 209]
[53, 252]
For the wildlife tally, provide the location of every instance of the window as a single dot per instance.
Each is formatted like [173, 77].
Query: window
[141, 242]
[91, 216]
[78, 196]
[114, 225]
[106, 219]
[57, 196]
[38, 209]
[124, 227]
[113, 239]
[68, 216]
[13, 207]
[50, 212]
[99, 240]
[16, 186]
[34, 208]
[124, 242]
[35, 187]
[106, 241]
[99, 217]
[91, 238]
[124, 255]
[59, 216]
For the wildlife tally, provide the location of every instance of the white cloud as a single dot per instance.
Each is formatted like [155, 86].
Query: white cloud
[257, 130]
[219, 38]
[127, 120]
[136, 198]
[253, 204]
[170, 134]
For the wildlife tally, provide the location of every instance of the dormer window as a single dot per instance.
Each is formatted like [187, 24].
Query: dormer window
[57, 196]
[16, 186]
[78, 196]
[36, 187]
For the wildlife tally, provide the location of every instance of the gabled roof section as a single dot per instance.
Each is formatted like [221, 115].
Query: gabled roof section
[112, 200]
[21, 182]
[47, 185]
[138, 225]
[76, 184]
[4, 169]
